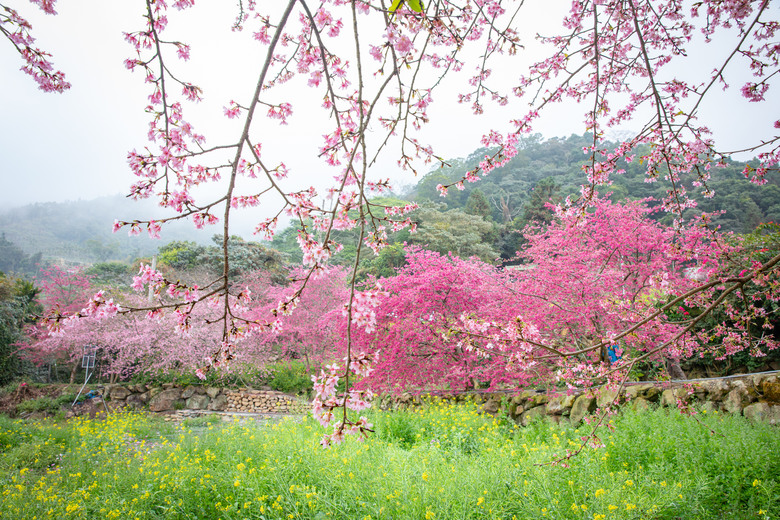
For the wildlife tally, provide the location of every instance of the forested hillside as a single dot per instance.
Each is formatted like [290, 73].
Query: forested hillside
[510, 188]
[486, 218]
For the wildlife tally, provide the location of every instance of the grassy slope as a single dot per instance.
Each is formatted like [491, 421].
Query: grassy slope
[436, 463]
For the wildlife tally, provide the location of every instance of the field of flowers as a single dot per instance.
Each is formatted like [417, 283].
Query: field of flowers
[436, 462]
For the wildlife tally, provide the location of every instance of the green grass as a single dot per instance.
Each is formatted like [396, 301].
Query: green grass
[202, 421]
[437, 462]
[49, 405]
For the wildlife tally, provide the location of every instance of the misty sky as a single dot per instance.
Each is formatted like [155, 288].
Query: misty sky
[72, 146]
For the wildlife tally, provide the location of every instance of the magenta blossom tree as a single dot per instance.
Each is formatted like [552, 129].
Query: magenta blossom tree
[589, 282]
[412, 341]
[593, 278]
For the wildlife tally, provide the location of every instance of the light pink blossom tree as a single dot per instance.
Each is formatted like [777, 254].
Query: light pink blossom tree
[310, 331]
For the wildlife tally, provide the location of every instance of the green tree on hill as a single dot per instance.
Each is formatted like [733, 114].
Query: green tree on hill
[477, 204]
[17, 304]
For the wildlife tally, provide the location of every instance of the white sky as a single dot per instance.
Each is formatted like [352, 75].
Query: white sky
[72, 146]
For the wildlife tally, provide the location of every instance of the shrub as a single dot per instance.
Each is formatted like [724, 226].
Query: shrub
[290, 377]
[41, 404]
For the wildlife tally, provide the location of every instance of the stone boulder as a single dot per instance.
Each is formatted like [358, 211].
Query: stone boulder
[165, 400]
[715, 389]
[515, 409]
[212, 392]
[197, 402]
[119, 393]
[737, 399]
[762, 411]
[606, 397]
[583, 405]
[640, 404]
[770, 387]
[404, 399]
[646, 391]
[491, 406]
[670, 395]
[560, 404]
[757, 411]
[219, 403]
[92, 408]
[532, 415]
[523, 396]
[136, 401]
[189, 392]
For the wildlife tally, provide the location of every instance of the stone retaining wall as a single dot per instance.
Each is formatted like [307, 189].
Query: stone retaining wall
[756, 396]
[169, 397]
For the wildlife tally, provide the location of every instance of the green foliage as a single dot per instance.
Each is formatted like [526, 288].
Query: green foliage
[398, 428]
[244, 256]
[48, 405]
[17, 304]
[385, 264]
[14, 260]
[111, 274]
[181, 254]
[240, 375]
[21, 447]
[454, 231]
[41, 404]
[414, 5]
[290, 377]
[535, 211]
[477, 204]
[510, 188]
[11, 321]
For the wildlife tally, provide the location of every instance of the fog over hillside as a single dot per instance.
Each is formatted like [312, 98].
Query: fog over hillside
[81, 231]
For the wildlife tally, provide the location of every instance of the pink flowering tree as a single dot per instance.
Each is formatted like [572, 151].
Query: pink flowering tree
[588, 282]
[131, 344]
[128, 344]
[377, 67]
[63, 293]
[35, 61]
[593, 278]
[415, 337]
[310, 331]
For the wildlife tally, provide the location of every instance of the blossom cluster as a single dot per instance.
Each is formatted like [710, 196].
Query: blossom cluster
[326, 400]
